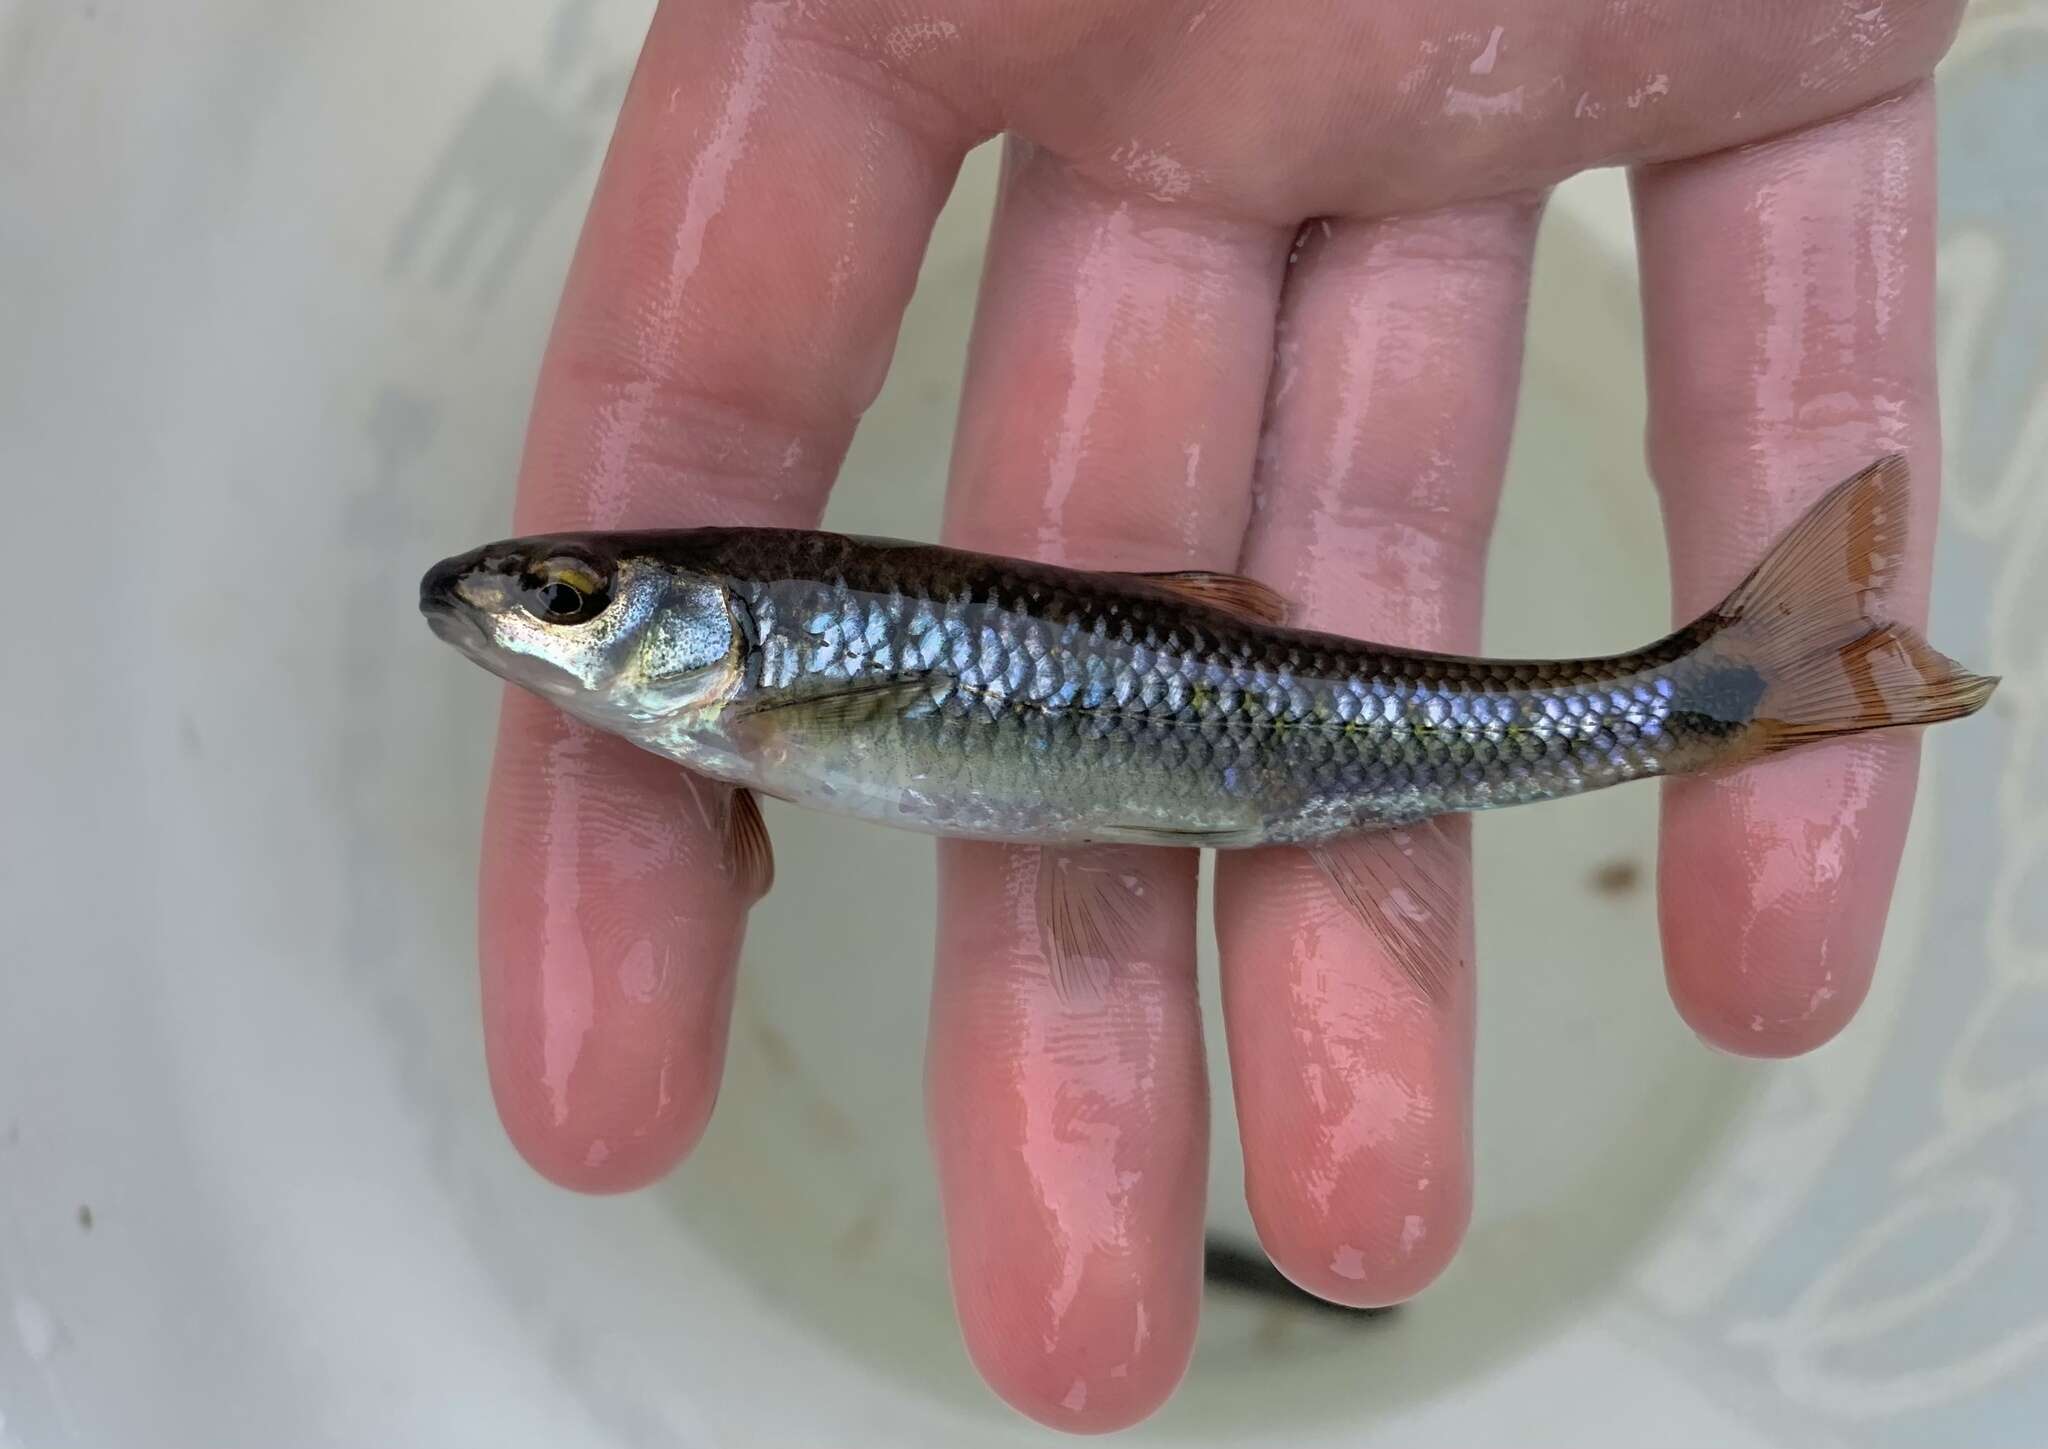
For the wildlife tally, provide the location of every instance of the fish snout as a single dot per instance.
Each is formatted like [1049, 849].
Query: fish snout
[438, 584]
[449, 610]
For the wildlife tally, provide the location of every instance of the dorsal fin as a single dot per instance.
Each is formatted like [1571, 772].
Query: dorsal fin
[1233, 593]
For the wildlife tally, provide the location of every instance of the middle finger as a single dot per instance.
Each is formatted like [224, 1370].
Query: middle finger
[1110, 421]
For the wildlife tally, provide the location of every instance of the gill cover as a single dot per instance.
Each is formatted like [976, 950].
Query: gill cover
[689, 649]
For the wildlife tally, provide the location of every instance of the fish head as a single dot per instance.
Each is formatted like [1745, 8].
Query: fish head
[611, 632]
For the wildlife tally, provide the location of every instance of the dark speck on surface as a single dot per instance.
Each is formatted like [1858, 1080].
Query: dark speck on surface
[1617, 878]
[85, 1216]
[857, 1243]
[775, 1050]
[826, 1121]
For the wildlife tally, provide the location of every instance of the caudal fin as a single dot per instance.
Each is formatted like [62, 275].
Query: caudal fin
[1810, 621]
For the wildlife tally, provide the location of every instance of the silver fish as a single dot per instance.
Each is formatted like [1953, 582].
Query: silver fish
[967, 695]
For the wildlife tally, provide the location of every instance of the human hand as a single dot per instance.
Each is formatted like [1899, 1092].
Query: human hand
[1145, 362]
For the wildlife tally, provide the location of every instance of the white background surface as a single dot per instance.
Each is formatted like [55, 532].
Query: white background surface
[274, 279]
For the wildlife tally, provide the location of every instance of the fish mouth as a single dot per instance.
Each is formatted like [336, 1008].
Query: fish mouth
[447, 613]
[438, 584]
[456, 626]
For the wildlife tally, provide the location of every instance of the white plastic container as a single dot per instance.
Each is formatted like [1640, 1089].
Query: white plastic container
[273, 285]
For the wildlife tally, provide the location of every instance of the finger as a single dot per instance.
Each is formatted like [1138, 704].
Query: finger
[1400, 351]
[1110, 420]
[751, 245]
[1788, 291]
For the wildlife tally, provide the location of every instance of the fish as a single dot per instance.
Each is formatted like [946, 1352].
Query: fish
[983, 697]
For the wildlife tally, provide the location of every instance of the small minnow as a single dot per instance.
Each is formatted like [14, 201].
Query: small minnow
[969, 695]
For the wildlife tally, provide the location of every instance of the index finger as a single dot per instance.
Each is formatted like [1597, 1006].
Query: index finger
[753, 240]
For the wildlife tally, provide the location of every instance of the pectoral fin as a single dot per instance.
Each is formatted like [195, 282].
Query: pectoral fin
[1094, 909]
[748, 852]
[836, 709]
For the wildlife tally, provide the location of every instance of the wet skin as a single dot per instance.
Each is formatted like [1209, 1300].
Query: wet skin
[1145, 363]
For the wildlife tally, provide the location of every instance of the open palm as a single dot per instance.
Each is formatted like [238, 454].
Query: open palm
[1170, 370]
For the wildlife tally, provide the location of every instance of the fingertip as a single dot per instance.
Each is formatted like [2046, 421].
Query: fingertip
[1773, 889]
[1108, 1373]
[1370, 1249]
[1078, 1305]
[608, 936]
[1071, 1141]
[1727, 1023]
[1775, 991]
[597, 1157]
[1354, 1096]
[600, 1098]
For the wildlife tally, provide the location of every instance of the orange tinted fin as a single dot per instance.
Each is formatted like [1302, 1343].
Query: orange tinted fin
[1093, 909]
[746, 840]
[1810, 621]
[1831, 569]
[1407, 885]
[1232, 593]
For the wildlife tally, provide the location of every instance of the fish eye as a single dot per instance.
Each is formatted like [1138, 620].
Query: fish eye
[566, 591]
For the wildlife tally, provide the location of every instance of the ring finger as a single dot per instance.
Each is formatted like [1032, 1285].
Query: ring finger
[1400, 352]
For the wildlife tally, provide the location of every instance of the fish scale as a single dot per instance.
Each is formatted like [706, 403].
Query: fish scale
[1139, 706]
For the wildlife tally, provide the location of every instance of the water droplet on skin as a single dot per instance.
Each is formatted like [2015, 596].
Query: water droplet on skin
[1483, 64]
[639, 977]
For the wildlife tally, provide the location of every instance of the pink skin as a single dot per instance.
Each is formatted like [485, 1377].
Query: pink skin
[1773, 882]
[1110, 420]
[748, 254]
[667, 397]
[1387, 436]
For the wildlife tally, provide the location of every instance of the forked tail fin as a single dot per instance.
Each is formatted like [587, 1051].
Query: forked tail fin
[1809, 621]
